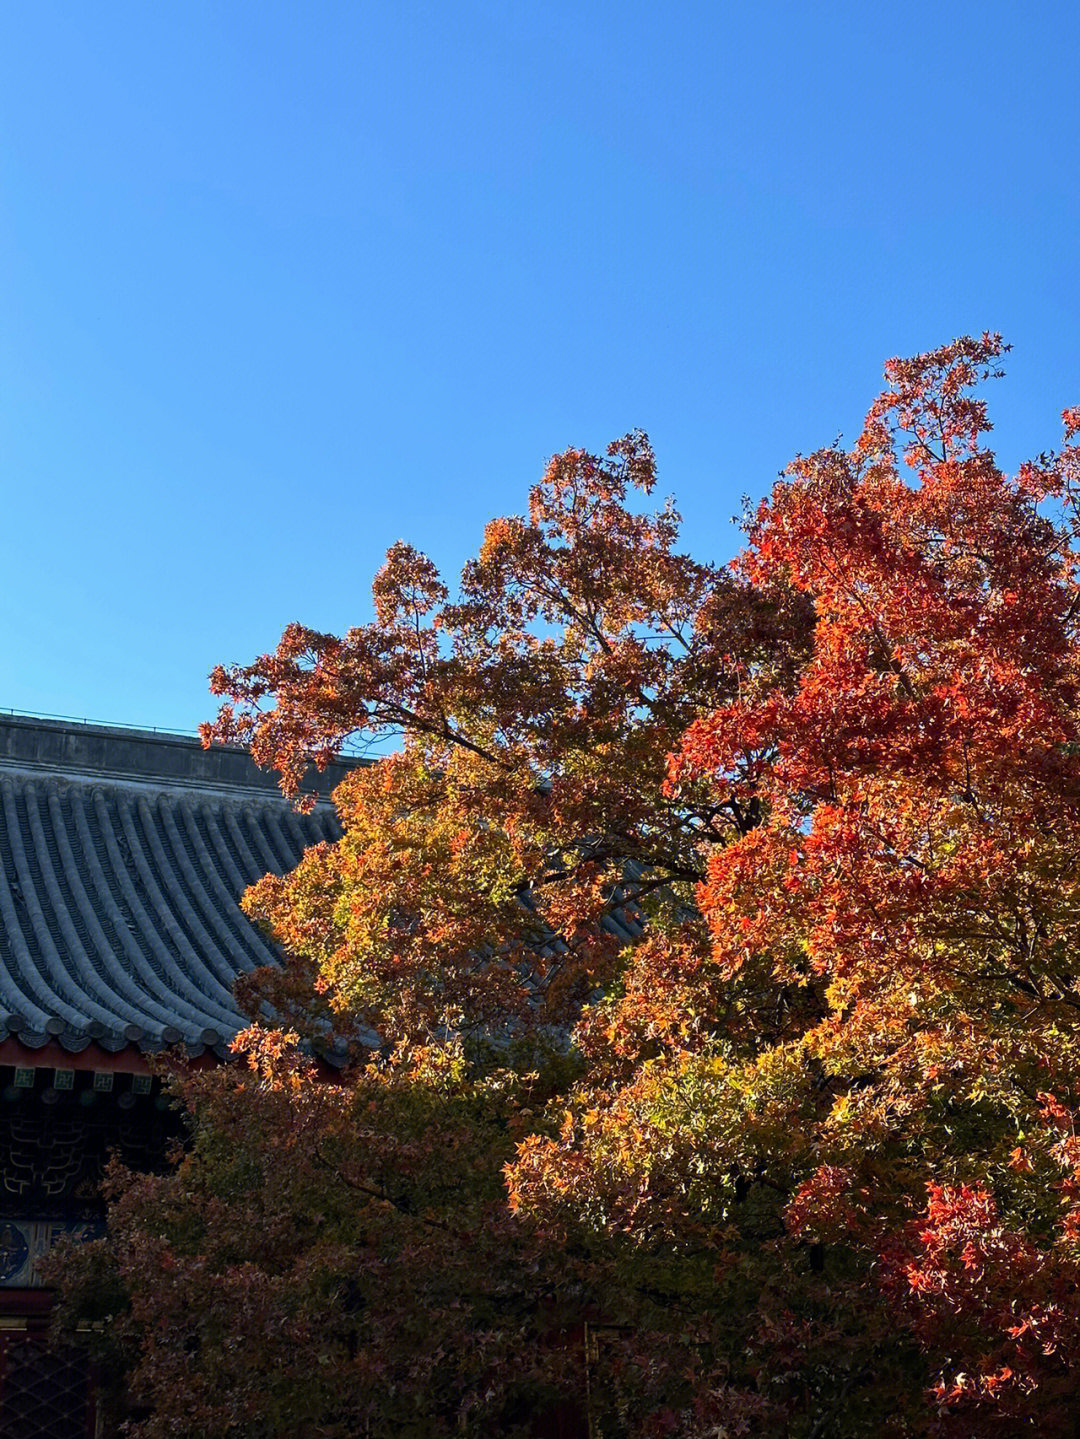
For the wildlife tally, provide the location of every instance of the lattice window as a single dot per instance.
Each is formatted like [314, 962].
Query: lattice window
[44, 1393]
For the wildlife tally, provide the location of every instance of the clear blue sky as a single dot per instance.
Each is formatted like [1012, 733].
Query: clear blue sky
[283, 282]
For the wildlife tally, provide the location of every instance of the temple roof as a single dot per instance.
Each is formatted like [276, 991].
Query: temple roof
[123, 854]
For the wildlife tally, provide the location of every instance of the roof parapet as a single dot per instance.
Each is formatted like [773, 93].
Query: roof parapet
[82, 750]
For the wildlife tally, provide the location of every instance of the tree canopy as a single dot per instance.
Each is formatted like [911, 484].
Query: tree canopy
[705, 955]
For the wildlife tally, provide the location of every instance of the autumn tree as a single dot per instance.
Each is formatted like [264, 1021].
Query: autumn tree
[705, 957]
[882, 1038]
[491, 871]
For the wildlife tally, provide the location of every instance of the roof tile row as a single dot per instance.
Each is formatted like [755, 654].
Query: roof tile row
[119, 920]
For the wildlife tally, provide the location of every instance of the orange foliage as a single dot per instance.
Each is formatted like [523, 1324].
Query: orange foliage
[802, 1154]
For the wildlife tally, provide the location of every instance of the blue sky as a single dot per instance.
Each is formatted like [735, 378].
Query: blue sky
[282, 283]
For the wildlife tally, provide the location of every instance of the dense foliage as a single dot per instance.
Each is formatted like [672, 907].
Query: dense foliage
[799, 1157]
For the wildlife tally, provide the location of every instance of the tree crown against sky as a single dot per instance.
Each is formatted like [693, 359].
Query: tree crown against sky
[535, 714]
[808, 1163]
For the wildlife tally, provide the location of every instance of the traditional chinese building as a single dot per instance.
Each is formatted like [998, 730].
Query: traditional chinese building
[123, 854]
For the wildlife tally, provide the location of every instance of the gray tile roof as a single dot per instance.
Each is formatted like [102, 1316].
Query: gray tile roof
[122, 858]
